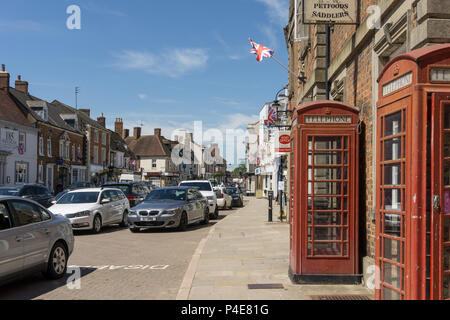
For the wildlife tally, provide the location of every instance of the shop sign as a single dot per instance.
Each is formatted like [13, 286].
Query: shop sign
[397, 84]
[9, 139]
[283, 142]
[322, 119]
[330, 11]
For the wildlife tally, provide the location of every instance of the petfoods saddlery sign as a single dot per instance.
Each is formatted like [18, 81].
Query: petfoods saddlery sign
[330, 11]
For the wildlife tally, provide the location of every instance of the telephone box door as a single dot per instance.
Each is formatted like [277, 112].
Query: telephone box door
[440, 218]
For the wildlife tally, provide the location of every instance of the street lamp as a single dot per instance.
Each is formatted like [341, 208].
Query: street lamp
[283, 113]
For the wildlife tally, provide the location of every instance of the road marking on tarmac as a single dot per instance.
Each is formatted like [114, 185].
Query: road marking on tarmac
[124, 267]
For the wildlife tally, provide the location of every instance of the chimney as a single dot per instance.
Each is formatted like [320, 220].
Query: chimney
[21, 86]
[4, 79]
[118, 126]
[158, 132]
[137, 132]
[126, 133]
[86, 111]
[102, 120]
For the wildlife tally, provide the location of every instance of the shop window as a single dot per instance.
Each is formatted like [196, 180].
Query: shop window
[21, 173]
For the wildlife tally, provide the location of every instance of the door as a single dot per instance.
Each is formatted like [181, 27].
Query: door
[32, 231]
[118, 205]
[327, 209]
[193, 206]
[108, 209]
[11, 248]
[440, 220]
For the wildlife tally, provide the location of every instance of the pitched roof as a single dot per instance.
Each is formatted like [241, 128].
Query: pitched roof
[9, 110]
[82, 117]
[149, 146]
[53, 114]
[118, 144]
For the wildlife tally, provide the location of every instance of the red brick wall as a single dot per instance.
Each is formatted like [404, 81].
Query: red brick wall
[99, 145]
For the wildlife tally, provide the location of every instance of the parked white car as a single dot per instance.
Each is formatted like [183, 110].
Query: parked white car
[206, 189]
[91, 209]
[224, 199]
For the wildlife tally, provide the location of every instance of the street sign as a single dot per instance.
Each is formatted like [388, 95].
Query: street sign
[330, 12]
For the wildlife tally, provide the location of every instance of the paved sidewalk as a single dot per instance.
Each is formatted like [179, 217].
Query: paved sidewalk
[245, 249]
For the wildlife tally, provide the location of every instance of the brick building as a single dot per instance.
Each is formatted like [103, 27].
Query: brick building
[358, 54]
[60, 159]
[97, 141]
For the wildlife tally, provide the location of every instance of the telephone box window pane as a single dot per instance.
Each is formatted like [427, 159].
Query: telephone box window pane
[447, 116]
[310, 143]
[328, 143]
[310, 158]
[392, 223]
[324, 188]
[345, 219]
[330, 234]
[345, 143]
[392, 149]
[446, 258]
[327, 173]
[310, 203]
[393, 124]
[389, 294]
[345, 176]
[310, 218]
[345, 188]
[445, 286]
[392, 174]
[327, 203]
[345, 157]
[447, 145]
[391, 275]
[327, 218]
[344, 234]
[447, 173]
[310, 234]
[392, 199]
[309, 188]
[446, 229]
[327, 249]
[327, 158]
[392, 250]
[309, 249]
[345, 202]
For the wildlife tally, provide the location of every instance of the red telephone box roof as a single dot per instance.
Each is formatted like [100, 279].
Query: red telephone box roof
[325, 103]
[417, 55]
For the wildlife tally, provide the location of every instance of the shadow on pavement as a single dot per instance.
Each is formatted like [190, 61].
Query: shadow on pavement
[35, 285]
[105, 230]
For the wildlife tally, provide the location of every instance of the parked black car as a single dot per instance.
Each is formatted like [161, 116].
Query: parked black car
[35, 192]
[136, 192]
[236, 194]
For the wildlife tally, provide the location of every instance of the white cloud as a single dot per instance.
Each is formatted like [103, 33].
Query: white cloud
[278, 10]
[142, 96]
[172, 63]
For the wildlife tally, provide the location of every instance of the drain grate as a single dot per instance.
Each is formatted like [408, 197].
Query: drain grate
[341, 298]
[266, 286]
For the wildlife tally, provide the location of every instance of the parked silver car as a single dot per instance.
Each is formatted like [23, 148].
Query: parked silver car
[91, 209]
[32, 239]
[171, 207]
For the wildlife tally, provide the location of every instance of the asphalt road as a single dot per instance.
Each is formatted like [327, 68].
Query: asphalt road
[118, 264]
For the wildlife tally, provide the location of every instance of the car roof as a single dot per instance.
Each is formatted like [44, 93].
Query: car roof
[176, 188]
[91, 190]
[188, 181]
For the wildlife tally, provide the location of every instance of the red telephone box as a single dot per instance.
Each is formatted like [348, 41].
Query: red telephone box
[413, 176]
[324, 224]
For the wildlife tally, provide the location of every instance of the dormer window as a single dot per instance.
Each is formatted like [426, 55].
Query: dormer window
[40, 108]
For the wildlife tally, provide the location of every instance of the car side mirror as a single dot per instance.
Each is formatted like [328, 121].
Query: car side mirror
[53, 202]
[105, 201]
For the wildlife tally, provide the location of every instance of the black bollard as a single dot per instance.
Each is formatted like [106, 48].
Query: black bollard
[270, 195]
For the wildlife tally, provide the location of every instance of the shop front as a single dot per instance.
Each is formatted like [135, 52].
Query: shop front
[413, 176]
[324, 222]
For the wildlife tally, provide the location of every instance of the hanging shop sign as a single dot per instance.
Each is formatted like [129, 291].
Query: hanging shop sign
[330, 11]
[283, 142]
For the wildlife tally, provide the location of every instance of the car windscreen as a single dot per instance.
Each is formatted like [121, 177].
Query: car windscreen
[123, 187]
[166, 194]
[79, 197]
[9, 191]
[201, 186]
[232, 190]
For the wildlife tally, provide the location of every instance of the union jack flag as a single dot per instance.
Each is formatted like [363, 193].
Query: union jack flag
[272, 116]
[261, 51]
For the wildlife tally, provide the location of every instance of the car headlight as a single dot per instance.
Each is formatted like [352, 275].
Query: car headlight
[132, 213]
[86, 213]
[210, 197]
[170, 212]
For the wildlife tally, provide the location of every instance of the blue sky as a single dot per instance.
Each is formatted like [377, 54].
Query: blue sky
[163, 63]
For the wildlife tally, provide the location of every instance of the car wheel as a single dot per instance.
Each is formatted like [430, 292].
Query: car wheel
[206, 217]
[57, 262]
[216, 213]
[97, 224]
[183, 222]
[124, 222]
[135, 230]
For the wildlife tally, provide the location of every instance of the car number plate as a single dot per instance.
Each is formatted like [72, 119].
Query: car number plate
[148, 219]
